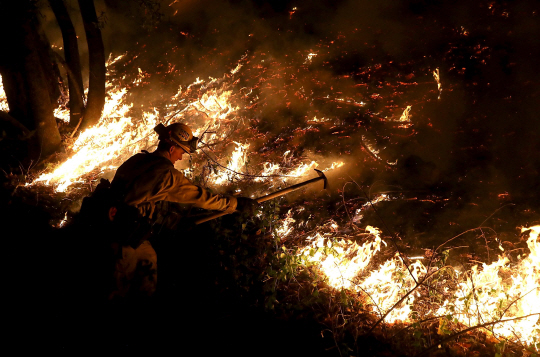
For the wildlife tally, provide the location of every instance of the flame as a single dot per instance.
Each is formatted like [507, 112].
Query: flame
[63, 221]
[109, 143]
[484, 293]
[318, 120]
[494, 292]
[500, 291]
[118, 136]
[62, 113]
[303, 169]
[3, 99]
[269, 169]
[371, 148]
[405, 117]
[359, 215]
[335, 165]
[285, 228]
[309, 57]
[341, 259]
[388, 284]
[218, 104]
[236, 163]
[438, 80]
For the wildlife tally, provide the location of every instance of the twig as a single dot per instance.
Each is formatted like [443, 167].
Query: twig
[451, 337]
[519, 298]
[344, 204]
[485, 240]
[76, 127]
[459, 235]
[420, 322]
[401, 300]
[403, 258]
[497, 210]
[476, 299]
[372, 299]
[239, 173]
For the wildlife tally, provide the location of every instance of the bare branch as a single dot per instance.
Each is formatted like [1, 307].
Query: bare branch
[451, 337]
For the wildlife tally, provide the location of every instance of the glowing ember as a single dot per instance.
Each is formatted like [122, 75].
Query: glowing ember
[371, 147]
[405, 117]
[111, 60]
[236, 69]
[318, 120]
[310, 57]
[359, 212]
[438, 79]
[285, 228]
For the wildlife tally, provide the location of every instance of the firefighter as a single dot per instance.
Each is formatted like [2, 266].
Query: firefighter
[144, 181]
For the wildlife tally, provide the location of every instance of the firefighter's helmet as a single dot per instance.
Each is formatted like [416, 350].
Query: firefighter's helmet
[179, 135]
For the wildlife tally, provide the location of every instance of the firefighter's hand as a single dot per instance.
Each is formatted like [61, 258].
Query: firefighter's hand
[246, 205]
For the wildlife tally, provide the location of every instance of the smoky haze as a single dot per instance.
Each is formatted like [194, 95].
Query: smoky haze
[479, 138]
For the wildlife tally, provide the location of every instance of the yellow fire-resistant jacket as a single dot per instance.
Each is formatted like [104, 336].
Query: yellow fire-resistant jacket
[145, 179]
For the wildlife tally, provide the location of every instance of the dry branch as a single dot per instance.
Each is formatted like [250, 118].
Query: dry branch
[451, 337]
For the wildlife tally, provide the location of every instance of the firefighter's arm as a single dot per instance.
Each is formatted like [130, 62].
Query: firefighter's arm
[181, 190]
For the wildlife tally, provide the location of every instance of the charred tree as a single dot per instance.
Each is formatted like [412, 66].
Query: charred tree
[49, 65]
[96, 77]
[25, 75]
[73, 62]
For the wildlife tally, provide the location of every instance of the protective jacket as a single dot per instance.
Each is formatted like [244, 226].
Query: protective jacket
[147, 178]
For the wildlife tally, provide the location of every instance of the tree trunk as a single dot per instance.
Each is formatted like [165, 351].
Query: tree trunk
[96, 51]
[48, 65]
[14, 127]
[71, 54]
[25, 82]
[14, 86]
[40, 106]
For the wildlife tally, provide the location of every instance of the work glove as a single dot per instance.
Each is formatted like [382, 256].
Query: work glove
[246, 205]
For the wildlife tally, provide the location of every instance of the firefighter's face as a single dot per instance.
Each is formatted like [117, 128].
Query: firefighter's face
[176, 153]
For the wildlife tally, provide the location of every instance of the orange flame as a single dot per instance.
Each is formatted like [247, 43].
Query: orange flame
[3, 99]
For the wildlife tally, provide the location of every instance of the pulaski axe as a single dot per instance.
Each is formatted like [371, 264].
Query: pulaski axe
[274, 195]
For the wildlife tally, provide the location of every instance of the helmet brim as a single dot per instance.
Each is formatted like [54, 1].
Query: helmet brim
[188, 146]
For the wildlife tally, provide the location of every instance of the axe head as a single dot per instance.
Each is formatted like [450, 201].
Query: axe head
[321, 174]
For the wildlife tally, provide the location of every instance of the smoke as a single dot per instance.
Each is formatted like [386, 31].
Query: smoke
[369, 61]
